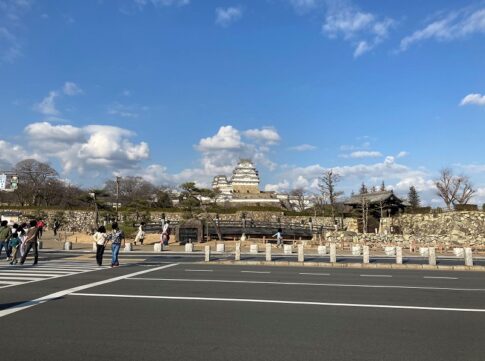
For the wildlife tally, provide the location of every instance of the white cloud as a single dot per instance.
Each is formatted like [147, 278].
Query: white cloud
[402, 154]
[363, 30]
[474, 98]
[12, 153]
[227, 137]
[70, 88]
[229, 15]
[365, 154]
[448, 27]
[302, 6]
[283, 186]
[47, 106]
[124, 111]
[11, 13]
[269, 135]
[303, 148]
[89, 148]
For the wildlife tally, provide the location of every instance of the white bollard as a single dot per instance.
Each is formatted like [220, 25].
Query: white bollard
[68, 246]
[39, 244]
[207, 253]
[237, 255]
[157, 247]
[253, 248]
[128, 247]
[287, 249]
[189, 247]
[366, 254]
[390, 251]
[322, 250]
[301, 253]
[459, 252]
[424, 251]
[333, 252]
[432, 256]
[398, 255]
[468, 257]
[268, 252]
[95, 247]
[220, 247]
[356, 250]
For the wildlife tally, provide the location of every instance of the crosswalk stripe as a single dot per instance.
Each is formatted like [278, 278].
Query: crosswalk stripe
[20, 274]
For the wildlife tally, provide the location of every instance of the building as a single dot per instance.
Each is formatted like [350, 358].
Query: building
[380, 204]
[243, 188]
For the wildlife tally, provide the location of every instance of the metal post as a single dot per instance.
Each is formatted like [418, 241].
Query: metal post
[118, 179]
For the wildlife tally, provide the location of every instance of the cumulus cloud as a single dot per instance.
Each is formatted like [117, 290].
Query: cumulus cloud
[474, 98]
[227, 137]
[283, 186]
[70, 88]
[303, 148]
[89, 148]
[447, 27]
[269, 135]
[365, 154]
[362, 29]
[229, 15]
[47, 106]
[12, 153]
[402, 154]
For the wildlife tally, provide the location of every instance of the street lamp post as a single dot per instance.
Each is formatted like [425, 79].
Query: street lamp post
[118, 179]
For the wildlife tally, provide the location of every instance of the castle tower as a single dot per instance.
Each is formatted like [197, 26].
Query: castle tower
[245, 178]
[220, 182]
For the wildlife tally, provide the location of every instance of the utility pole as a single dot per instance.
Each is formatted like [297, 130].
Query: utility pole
[118, 179]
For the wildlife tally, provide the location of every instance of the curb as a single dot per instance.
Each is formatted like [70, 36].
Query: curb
[350, 265]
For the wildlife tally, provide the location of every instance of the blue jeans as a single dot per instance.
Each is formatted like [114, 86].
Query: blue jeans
[115, 250]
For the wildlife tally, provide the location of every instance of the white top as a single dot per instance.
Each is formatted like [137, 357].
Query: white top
[100, 238]
[165, 228]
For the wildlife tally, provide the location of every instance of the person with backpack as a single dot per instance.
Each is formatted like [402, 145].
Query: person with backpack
[101, 238]
[14, 244]
[116, 237]
[5, 233]
[30, 242]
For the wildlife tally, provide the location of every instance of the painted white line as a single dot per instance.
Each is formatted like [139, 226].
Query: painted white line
[308, 284]
[264, 272]
[43, 270]
[441, 278]
[17, 273]
[314, 274]
[199, 270]
[305, 303]
[376, 276]
[53, 296]
[26, 278]
[10, 283]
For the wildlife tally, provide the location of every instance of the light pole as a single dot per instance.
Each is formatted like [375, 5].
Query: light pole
[118, 179]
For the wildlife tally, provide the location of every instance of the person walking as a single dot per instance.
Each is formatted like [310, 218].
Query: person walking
[15, 246]
[101, 238]
[116, 237]
[165, 237]
[279, 237]
[140, 236]
[56, 226]
[31, 242]
[40, 228]
[5, 234]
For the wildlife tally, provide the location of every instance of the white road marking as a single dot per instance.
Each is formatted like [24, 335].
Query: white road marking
[199, 270]
[308, 284]
[375, 276]
[314, 274]
[24, 273]
[441, 278]
[265, 272]
[53, 296]
[305, 303]
[18, 278]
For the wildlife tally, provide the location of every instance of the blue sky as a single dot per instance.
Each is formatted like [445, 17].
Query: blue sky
[178, 90]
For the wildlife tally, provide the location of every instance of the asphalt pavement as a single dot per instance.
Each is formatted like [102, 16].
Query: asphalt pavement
[179, 309]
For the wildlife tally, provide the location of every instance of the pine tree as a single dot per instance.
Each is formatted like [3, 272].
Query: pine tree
[363, 189]
[383, 187]
[413, 197]
[373, 189]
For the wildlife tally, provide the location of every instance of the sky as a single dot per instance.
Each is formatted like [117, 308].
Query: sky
[179, 90]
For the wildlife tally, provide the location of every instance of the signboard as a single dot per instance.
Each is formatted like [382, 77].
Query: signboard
[3, 182]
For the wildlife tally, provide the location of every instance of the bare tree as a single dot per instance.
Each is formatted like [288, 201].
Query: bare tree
[301, 199]
[327, 184]
[33, 181]
[453, 189]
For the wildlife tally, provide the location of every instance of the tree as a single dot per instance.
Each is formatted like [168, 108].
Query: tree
[163, 199]
[413, 197]
[373, 189]
[363, 189]
[383, 187]
[453, 189]
[33, 181]
[300, 197]
[132, 190]
[327, 183]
